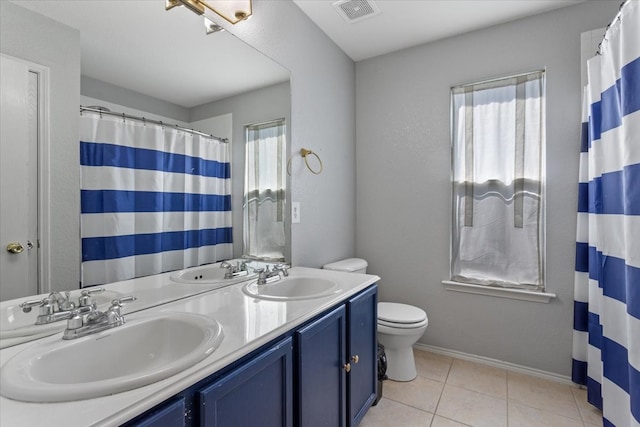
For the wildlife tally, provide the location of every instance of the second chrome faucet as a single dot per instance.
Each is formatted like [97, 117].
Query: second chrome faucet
[266, 275]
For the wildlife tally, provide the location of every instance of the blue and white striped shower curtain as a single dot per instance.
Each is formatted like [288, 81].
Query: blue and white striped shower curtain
[153, 199]
[606, 345]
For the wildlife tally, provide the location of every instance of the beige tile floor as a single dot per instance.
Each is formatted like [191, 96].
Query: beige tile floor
[452, 392]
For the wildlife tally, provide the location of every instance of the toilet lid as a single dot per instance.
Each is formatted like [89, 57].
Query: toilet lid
[400, 313]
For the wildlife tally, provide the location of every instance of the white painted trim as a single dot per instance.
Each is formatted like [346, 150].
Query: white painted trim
[44, 172]
[44, 177]
[520, 294]
[538, 373]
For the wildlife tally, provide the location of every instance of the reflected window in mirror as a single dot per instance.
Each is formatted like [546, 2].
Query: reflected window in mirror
[264, 191]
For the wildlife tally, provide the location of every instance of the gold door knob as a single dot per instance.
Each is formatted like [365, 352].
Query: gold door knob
[355, 359]
[347, 367]
[15, 248]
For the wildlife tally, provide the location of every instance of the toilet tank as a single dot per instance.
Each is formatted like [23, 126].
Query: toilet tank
[351, 265]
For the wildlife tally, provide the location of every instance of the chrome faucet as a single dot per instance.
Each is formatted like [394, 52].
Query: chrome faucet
[239, 269]
[266, 275]
[56, 307]
[80, 324]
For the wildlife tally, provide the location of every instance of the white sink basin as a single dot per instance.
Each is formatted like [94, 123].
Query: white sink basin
[14, 323]
[210, 274]
[292, 288]
[142, 351]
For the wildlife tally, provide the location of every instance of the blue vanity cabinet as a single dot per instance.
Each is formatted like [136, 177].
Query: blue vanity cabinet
[320, 375]
[362, 379]
[258, 393]
[336, 364]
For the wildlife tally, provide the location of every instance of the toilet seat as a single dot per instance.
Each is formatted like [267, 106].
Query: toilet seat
[396, 325]
[396, 315]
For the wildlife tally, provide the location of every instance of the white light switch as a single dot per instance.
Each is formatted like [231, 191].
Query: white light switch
[295, 212]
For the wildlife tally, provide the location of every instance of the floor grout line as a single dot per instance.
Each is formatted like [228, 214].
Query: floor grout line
[444, 384]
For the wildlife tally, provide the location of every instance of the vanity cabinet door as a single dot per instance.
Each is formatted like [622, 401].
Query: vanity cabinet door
[169, 414]
[362, 381]
[320, 385]
[258, 393]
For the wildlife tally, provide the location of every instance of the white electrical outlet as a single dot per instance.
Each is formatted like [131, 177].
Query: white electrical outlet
[295, 212]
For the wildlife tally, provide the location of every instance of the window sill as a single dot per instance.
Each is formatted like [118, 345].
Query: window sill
[542, 297]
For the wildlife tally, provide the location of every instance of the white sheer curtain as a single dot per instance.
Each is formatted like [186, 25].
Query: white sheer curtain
[264, 191]
[497, 149]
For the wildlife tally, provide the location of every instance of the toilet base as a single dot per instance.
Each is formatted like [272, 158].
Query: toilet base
[401, 365]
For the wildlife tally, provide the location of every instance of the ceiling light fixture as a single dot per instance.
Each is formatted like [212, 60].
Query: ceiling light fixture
[211, 27]
[233, 11]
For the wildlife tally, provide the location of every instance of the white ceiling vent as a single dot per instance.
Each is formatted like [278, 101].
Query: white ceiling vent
[356, 10]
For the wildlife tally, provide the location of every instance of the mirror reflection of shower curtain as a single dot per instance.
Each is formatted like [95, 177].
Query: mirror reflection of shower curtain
[264, 191]
[153, 199]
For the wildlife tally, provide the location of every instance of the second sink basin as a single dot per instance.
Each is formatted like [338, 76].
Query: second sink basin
[210, 274]
[140, 352]
[292, 288]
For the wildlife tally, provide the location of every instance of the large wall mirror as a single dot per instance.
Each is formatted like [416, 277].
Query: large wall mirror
[138, 59]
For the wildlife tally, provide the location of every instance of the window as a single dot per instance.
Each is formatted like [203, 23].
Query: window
[497, 130]
[264, 191]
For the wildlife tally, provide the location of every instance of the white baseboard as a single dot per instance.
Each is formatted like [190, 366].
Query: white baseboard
[497, 363]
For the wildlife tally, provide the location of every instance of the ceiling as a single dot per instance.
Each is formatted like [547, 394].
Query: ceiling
[405, 23]
[129, 44]
[132, 47]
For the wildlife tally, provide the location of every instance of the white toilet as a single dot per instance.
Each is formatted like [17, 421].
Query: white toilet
[400, 326]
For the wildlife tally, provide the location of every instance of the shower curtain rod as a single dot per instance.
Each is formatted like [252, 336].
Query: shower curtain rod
[104, 110]
[616, 18]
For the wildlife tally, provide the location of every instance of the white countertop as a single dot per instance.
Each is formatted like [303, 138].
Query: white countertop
[248, 323]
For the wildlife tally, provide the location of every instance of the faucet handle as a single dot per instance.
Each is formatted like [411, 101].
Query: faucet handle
[28, 305]
[114, 313]
[118, 303]
[84, 299]
[282, 267]
[129, 298]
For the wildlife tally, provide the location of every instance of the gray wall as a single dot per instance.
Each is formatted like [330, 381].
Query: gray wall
[37, 39]
[98, 89]
[272, 102]
[322, 120]
[403, 188]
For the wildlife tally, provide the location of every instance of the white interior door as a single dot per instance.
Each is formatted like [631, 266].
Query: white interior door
[19, 141]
